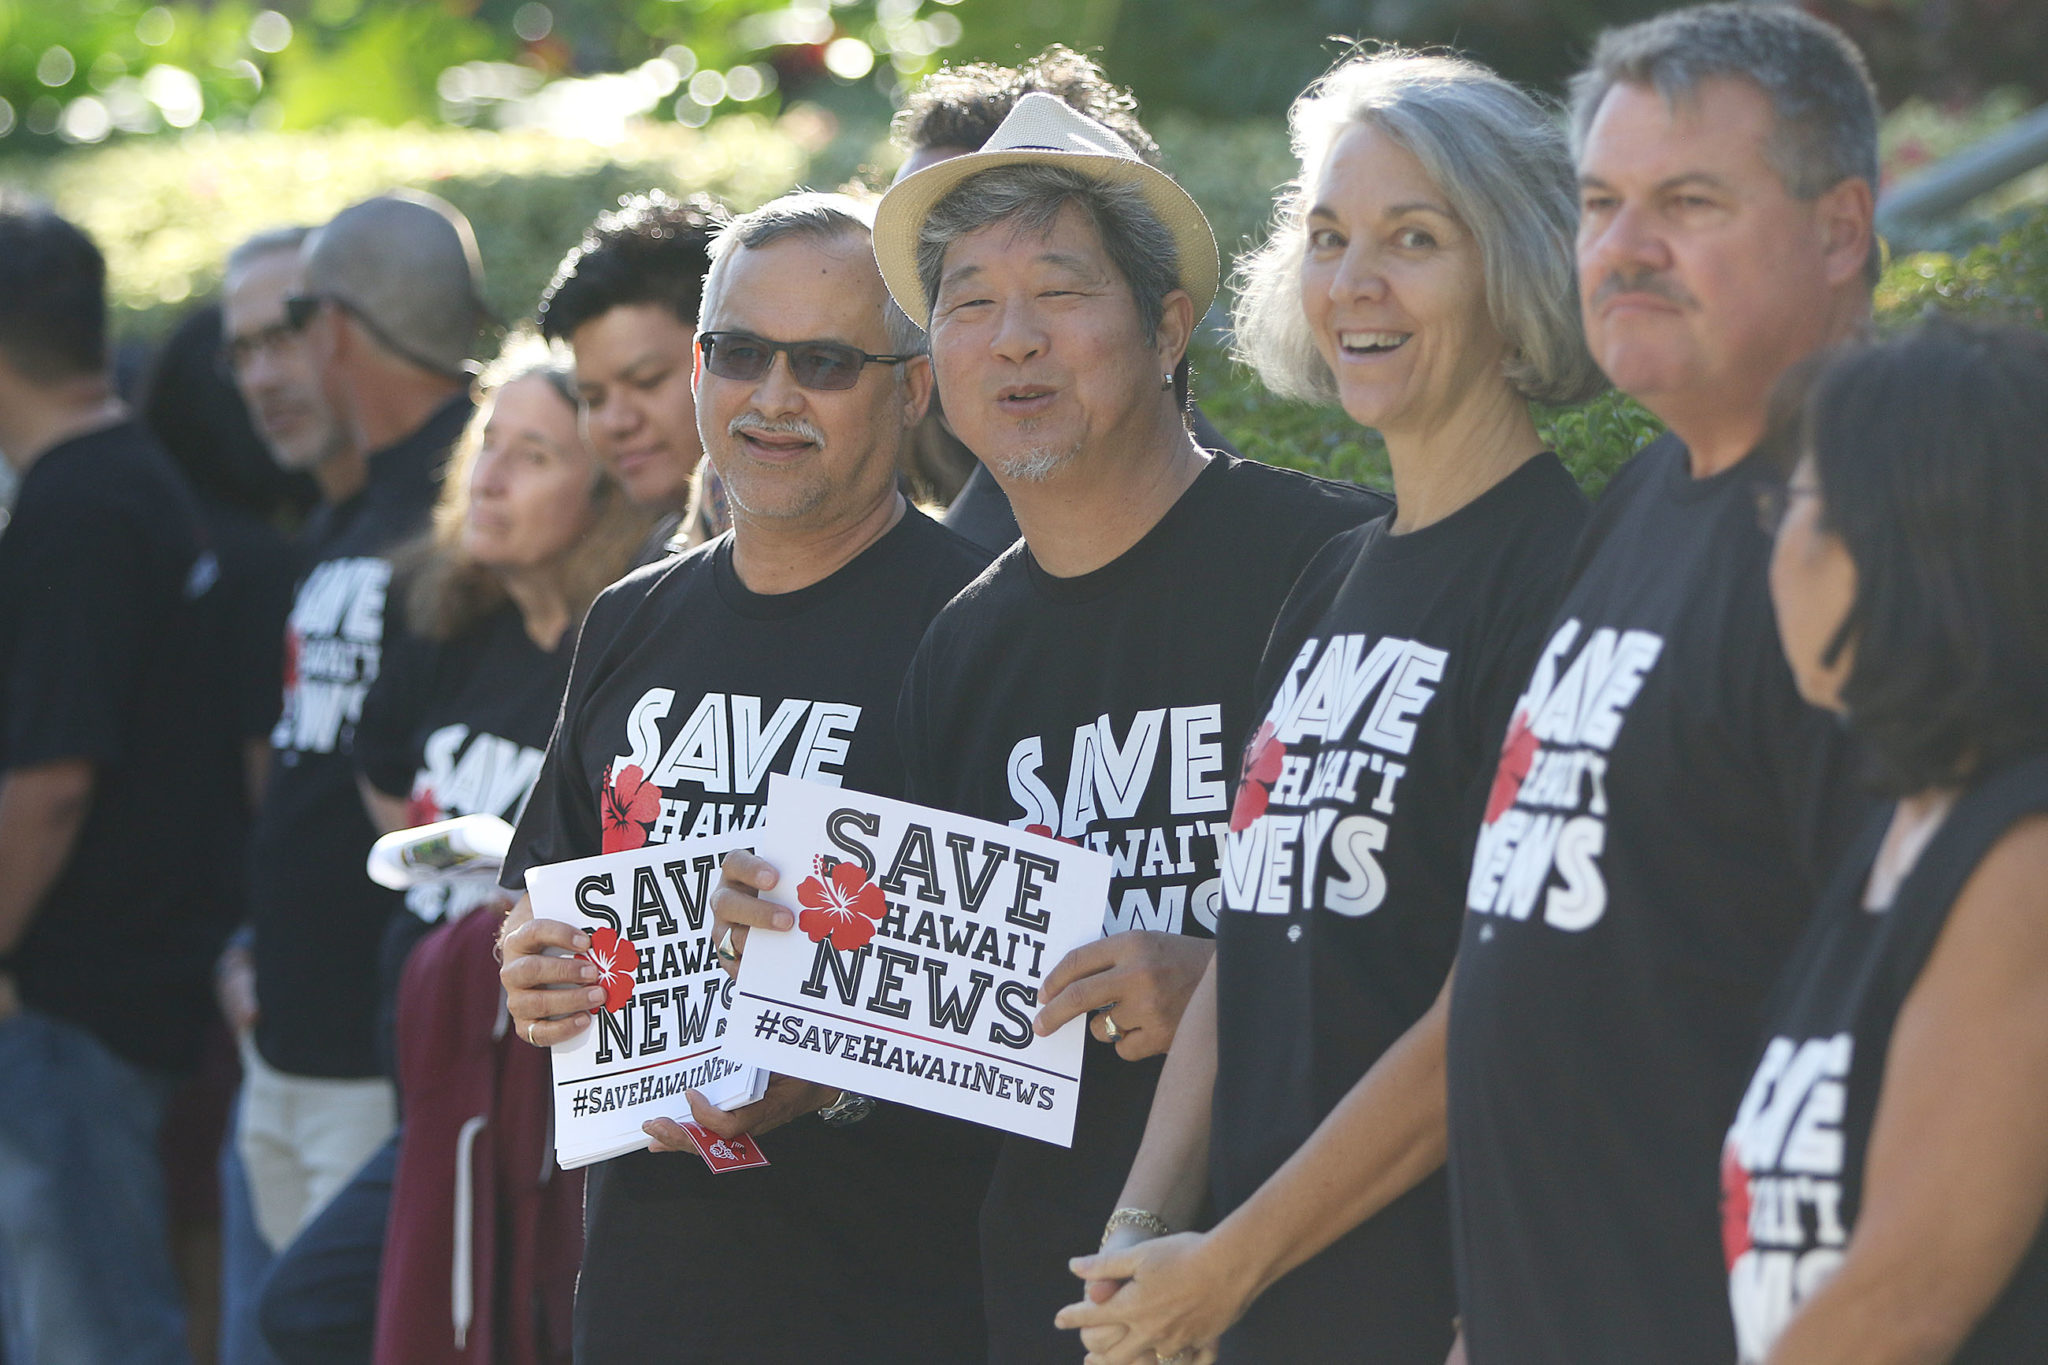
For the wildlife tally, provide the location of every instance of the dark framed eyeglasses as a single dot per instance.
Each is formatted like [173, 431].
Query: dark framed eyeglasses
[813, 364]
[239, 351]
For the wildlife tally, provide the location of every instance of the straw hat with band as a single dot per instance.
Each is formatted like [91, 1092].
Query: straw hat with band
[1042, 130]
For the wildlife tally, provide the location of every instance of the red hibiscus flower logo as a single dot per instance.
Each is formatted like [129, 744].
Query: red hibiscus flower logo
[616, 959]
[626, 808]
[1262, 760]
[1045, 832]
[1517, 756]
[421, 808]
[1734, 1206]
[843, 906]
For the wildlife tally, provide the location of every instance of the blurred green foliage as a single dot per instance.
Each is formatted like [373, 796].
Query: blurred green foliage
[2004, 280]
[78, 72]
[166, 212]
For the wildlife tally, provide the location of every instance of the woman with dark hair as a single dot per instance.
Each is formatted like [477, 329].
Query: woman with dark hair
[1884, 1182]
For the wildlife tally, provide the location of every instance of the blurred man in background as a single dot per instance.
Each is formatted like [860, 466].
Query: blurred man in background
[389, 306]
[115, 788]
[275, 371]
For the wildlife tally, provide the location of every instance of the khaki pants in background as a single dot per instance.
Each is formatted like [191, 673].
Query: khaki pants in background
[302, 1137]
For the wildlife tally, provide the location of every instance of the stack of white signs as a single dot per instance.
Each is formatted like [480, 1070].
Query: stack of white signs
[662, 1027]
[913, 971]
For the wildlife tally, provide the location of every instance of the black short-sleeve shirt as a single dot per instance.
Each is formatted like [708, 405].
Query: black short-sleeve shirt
[1386, 688]
[1108, 709]
[107, 650]
[454, 727]
[319, 920]
[687, 692]
[1663, 815]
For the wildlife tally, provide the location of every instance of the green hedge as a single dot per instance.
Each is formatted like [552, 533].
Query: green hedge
[167, 210]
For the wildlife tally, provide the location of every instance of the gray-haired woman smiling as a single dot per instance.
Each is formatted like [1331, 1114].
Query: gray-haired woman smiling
[1420, 275]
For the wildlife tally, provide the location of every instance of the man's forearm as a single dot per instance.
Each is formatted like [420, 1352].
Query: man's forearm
[42, 809]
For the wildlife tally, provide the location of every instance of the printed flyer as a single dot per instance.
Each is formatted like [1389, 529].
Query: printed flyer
[912, 974]
[662, 1027]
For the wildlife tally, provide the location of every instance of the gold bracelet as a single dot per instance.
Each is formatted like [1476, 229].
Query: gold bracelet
[1135, 1218]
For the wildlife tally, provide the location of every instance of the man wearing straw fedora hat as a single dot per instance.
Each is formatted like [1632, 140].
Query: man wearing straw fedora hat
[1092, 682]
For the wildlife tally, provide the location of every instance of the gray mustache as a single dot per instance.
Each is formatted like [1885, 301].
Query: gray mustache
[788, 426]
[1641, 282]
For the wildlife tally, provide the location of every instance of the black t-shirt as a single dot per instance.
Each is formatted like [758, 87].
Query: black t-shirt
[1387, 686]
[455, 727]
[981, 511]
[1792, 1166]
[1106, 709]
[688, 690]
[318, 917]
[108, 649]
[1660, 823]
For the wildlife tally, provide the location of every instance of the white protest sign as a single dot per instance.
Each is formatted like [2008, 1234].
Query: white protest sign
[912, 974]
[662, 1026]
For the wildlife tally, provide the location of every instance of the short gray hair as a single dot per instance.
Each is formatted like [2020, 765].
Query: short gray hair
[1500, 160]
[1823, 104]
[263, 244]
[811, 216]
[1032, 195]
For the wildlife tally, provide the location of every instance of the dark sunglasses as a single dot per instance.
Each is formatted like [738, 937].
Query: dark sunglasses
[813, 364]
[300, 309]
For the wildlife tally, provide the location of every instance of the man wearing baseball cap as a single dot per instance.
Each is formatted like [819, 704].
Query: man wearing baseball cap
[1092, 682]
[389, 306]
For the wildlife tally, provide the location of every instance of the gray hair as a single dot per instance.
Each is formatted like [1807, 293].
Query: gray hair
[1032, 195]
[405, 263]
[1823, 104]
[1500, 160]
[811, 216]
[264, 244]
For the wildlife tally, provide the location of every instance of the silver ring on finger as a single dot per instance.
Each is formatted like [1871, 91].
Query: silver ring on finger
[529, 1033]
[724, 947]
[1113, 1035]
[1173, 1359]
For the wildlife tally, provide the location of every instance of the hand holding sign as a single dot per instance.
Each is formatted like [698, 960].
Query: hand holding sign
[737, 907]
[786, 1098]
[549, 987]
[912, 969]
[656, 998]
[1140, 979]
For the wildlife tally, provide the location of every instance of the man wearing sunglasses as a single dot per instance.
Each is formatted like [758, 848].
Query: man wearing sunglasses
[387, 308]
[790, 636]
[266, 355]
